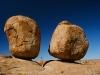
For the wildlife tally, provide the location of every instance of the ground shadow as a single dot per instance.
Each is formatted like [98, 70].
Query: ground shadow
[48, 62]
[65, 61]
[26, 59]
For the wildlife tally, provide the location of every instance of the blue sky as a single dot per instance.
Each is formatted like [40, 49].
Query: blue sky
[48, 13]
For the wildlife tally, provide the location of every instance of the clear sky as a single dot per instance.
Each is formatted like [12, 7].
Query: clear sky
[48, 13]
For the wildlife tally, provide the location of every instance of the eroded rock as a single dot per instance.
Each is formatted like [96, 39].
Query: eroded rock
[15, 66]
[23, 36]
[68, 42]
[64, 68]
[41, 62]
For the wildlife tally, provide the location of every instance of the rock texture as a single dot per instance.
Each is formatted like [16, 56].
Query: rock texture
[23, 36]
[41, 62]
[15, 66]
[82, 67]
[68, 42]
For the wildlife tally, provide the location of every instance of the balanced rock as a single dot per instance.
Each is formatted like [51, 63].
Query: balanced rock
[23, 36]
[68, 42]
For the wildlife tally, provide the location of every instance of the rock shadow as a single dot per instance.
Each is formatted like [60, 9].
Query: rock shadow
[69, 61]
[65, 61]
[28, 60]
[48, 62]
[36, 62]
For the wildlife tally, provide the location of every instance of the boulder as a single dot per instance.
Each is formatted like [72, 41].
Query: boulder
[68, 42]
[23, 36]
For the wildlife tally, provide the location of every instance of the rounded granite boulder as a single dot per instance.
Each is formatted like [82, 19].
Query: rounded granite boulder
[23, 36]
[68, 42]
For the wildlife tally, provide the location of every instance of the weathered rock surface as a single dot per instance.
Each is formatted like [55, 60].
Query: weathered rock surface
[68, 42]
[41, 62]
[82, 67]
[15, 66]
[23, 36]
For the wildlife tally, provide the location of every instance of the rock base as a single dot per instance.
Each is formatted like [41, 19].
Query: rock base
[14, 66]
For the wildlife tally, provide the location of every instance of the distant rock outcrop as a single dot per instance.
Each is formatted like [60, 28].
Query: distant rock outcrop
[68, 42]
[15, 66]
[23, 36]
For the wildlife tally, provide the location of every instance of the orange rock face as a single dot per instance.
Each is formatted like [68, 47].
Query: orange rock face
[68, 42]
[23, 36]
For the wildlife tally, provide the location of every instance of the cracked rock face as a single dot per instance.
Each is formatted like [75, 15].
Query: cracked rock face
[23, 36]
[68, 42]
